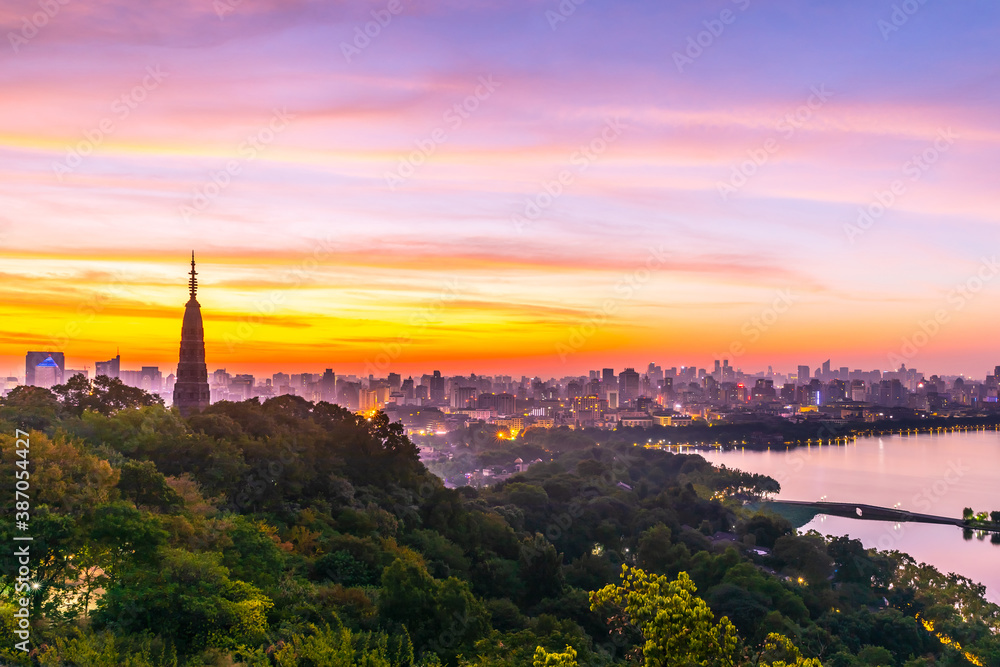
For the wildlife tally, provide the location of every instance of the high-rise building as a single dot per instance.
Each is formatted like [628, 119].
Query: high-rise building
[437, 387]
[503, 404]
[328, 386]
[574, 388]
[612, 398]
[628, 385]
[858, 390]
[111, 368]
[241, 387]
[33, 359]
[804, 375]
[463, 397]
[191, 390]
[587, 408]
[608, 379]
[47, 373]
[152, 379]
[655, 374]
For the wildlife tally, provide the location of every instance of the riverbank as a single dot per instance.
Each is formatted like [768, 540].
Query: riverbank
[937, 474]
[782, 435]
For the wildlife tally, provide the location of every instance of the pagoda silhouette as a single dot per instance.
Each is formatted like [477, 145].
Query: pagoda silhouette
[191, 391]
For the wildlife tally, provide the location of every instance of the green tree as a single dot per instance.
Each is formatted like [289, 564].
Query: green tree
[442, 617]
[677, 627]
[658, 554]
[876, 656]
[187, 598]
[30, 408]
[545, 659]
[805, 555]
[143, 484]
[105, 395]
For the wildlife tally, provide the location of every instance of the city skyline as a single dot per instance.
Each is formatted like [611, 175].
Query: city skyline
[503, 197]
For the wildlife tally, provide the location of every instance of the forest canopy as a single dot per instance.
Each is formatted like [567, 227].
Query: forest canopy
[292, 533]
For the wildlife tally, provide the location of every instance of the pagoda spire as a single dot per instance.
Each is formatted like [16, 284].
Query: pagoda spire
[193, 283]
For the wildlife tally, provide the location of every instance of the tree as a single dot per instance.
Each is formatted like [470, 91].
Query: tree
[995, 516]
[806, 555]
[968, 514]
[187, 598]
[105, 395]
[780, 650]
[677, 627]
[766, 529]
[658, 554]
[146, 486]
[339, 646]
[442, 617]
[545, 659]
[31, 408]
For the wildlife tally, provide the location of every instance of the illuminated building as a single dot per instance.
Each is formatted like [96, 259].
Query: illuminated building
[33, 359]
[47, 373]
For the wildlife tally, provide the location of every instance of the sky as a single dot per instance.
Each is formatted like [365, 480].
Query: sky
[523, 187]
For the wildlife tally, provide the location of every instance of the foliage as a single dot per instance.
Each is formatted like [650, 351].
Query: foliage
[677, 627]
[104, 395]
[293, 533]
[545, 659]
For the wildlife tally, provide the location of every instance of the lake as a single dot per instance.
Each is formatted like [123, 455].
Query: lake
[932, 474]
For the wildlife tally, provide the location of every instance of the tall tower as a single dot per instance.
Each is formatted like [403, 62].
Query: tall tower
[191, 391]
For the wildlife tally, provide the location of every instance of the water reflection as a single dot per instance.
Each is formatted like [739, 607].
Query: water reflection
[931, 474]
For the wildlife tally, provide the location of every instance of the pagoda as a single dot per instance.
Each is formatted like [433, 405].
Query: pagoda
[191, 391]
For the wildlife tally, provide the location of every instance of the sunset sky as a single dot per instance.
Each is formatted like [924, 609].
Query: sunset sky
[327, 180]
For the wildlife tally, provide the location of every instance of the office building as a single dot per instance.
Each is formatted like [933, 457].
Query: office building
[32, 360]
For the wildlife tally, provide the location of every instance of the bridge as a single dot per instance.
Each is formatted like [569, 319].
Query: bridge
[875, 513]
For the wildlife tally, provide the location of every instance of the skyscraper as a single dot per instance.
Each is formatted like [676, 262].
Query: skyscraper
[111, 368]
[608, 379]
[628, 384]
[47, 373]
[437, 387]
[328, 385]
[33, 359]
[191, 390]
